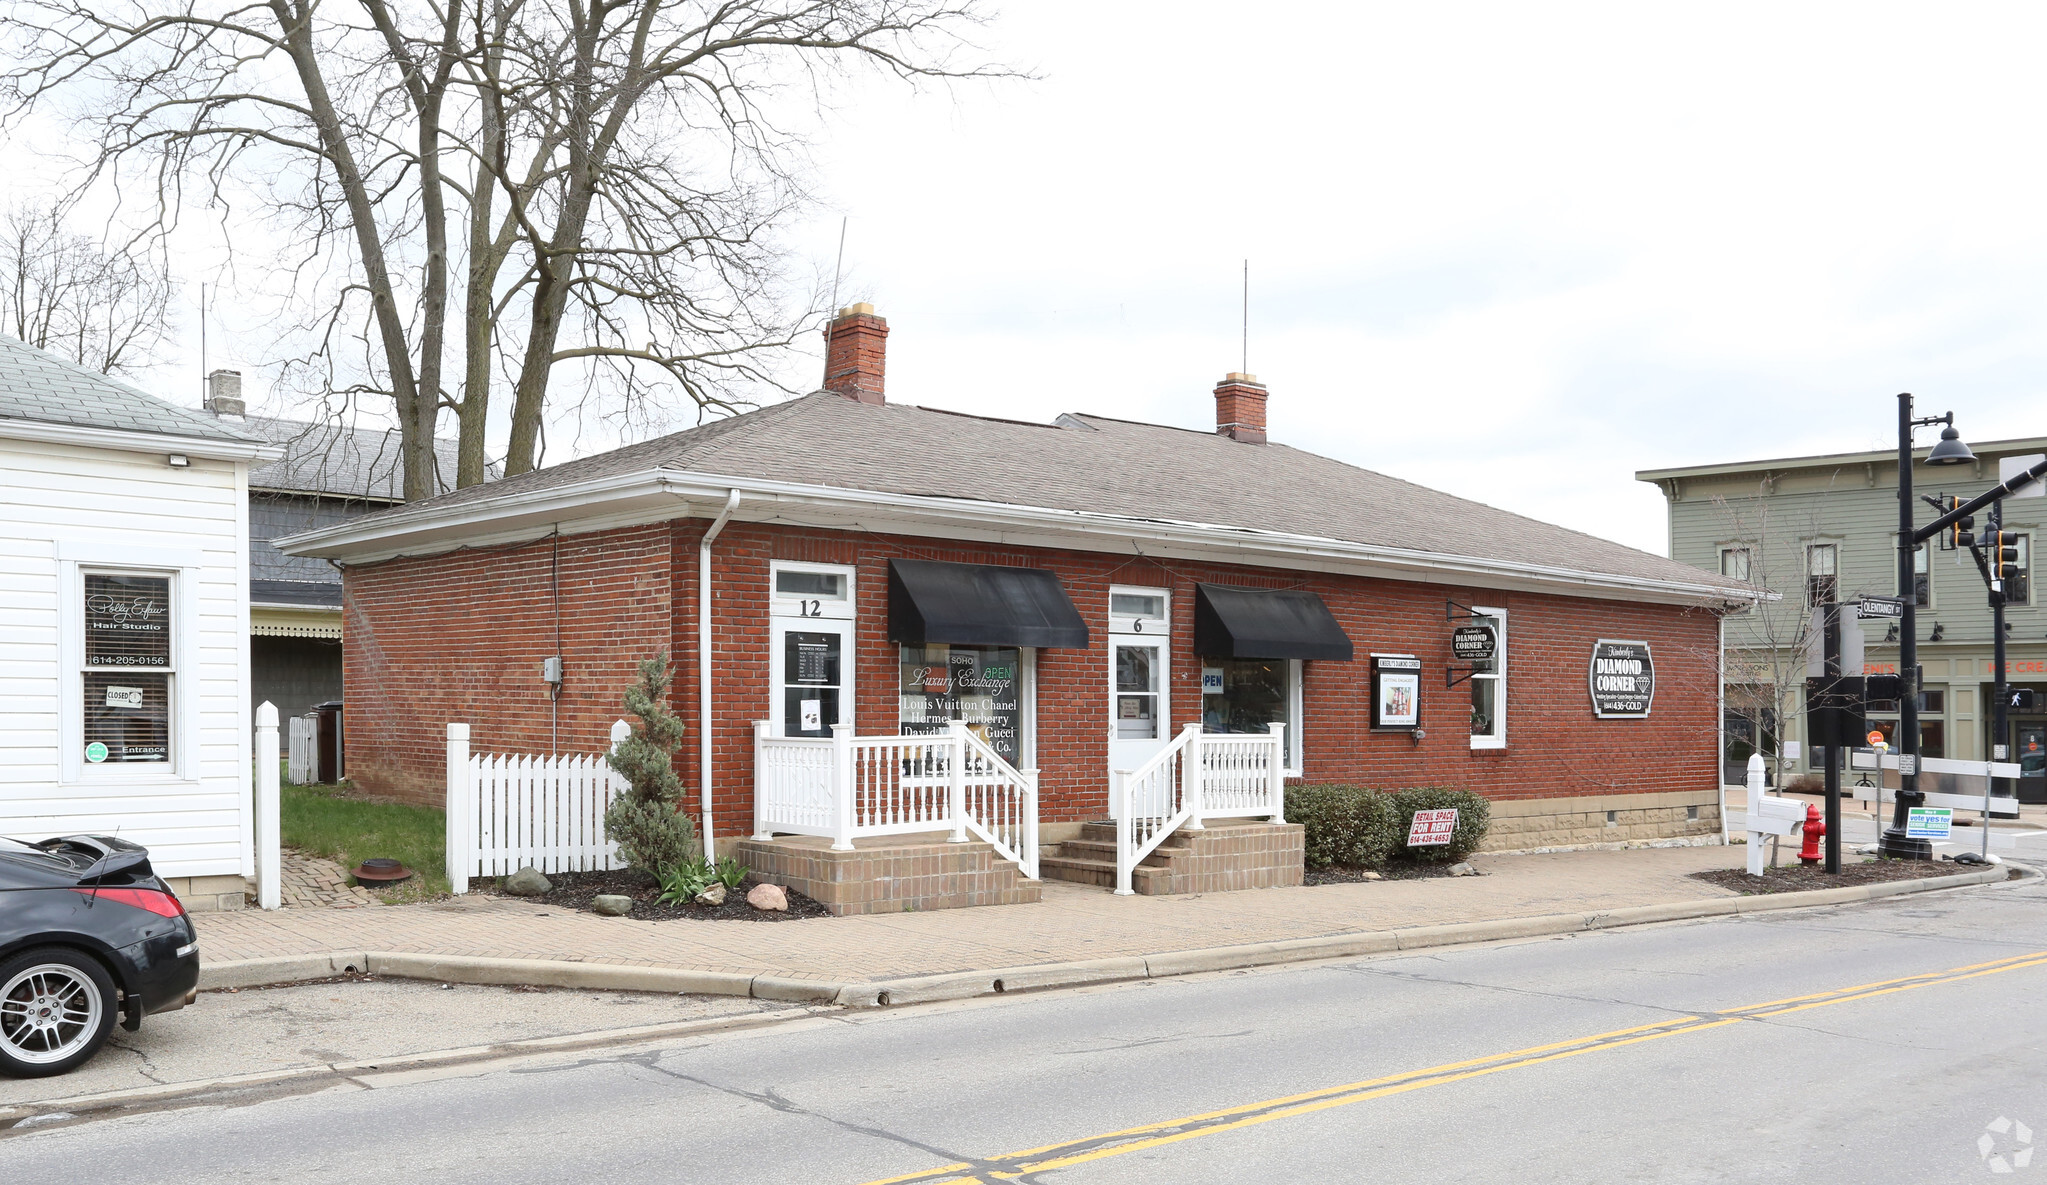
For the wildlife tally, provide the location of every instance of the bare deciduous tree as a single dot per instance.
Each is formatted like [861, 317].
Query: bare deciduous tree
[100, 307]
[477, 192]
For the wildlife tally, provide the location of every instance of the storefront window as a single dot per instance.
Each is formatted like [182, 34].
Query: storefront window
[1255, 693]
[1489, 685]
[980, 685]
[128, 668]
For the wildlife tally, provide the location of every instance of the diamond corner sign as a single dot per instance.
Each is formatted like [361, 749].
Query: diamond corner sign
[1432, 828]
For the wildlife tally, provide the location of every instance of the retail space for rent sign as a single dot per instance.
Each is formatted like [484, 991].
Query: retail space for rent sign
[1432, 828]
[1623, 680]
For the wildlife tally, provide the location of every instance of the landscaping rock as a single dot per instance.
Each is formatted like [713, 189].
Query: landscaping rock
[715, 896]
[1372, 876]
[612, 905]
[768, 897]
[527, 882]
[1463, 870]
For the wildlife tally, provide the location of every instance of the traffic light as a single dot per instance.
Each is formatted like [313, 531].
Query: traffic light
[2004, 554]
[1961, 532]
[2021, 699]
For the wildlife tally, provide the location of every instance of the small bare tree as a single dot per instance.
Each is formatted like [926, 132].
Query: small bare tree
[478, 192]
[101, 307]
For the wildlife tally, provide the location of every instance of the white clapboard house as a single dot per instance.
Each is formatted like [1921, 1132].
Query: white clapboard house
[124, 623]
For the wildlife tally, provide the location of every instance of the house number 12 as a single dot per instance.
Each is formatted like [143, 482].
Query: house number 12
[810, 608]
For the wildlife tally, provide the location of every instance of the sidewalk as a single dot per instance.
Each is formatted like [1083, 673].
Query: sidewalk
[1073, 922]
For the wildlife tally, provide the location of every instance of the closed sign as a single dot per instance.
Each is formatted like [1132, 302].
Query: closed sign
[1623, 680]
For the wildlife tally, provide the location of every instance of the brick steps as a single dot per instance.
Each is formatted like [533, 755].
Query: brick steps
[1227, 854]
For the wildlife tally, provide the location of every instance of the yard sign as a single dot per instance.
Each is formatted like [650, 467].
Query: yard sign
[1432, 828]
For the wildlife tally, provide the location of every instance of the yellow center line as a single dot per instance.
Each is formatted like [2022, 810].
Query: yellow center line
[1153, 1135]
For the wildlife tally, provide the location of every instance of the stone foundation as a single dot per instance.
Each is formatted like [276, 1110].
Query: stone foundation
[1521, 824]
[211, 894]
[889, 874]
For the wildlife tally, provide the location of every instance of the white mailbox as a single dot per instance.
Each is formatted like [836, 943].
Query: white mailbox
[1768, 815]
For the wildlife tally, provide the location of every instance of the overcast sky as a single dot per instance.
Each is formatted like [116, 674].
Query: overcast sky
[1516, 252]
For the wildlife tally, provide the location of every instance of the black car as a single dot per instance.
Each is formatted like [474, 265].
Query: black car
[87, 929]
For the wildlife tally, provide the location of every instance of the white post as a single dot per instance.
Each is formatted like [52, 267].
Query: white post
[1193, 782]
[461, 809]
[1754, 812]
[1030, 823]
[842, 787]
[1275, 795]
[269, 841]
[1124, 842]
[958, 792]
[760, 783]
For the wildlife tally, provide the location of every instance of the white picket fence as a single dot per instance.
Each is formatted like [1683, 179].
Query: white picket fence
[844, 786]
[508, 811]
[305, 732]
[1195, 777]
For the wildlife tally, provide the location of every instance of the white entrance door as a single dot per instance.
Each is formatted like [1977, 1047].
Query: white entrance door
[1139, 654]
[813, 667]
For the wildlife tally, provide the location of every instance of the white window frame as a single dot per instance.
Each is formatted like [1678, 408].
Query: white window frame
[1497, 739]
[806, 614]
[1805, 572]
[1746, 549]
[74, 561]
[1296, 701]
[1925, 549]
[1148, 627]
[808, 607]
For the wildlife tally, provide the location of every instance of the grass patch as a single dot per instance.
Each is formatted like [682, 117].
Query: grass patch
[333, 822]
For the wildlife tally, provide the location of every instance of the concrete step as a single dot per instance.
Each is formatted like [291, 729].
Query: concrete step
[1100, 849]
[1087, 871]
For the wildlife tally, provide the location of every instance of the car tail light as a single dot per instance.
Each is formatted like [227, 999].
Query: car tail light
[156, 901]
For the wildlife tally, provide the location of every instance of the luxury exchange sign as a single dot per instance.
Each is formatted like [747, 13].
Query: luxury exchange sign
[1623, 680]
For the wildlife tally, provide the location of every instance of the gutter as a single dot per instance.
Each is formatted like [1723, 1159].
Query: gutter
[704, 665]
[652, 493]
[208, 448]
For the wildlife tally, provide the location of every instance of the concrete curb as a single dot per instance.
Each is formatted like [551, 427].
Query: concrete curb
[968, 984]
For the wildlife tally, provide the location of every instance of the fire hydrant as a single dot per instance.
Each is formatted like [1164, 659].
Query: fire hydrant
[1809, 855]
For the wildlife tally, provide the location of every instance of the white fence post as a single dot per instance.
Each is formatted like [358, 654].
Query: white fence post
[269, 842]
[956, 795]
[1124, 841]
[1754, 811]
[1030, 823]
[842, 787]
[1193, 779]
[1276, 795]
[461, 809]
[760, 798]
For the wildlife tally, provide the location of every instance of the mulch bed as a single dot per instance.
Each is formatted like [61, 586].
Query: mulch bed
[1337, 874]
[1795, 878]
[573, 890]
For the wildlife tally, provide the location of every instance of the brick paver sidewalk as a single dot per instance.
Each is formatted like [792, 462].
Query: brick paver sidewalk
[1072, 922]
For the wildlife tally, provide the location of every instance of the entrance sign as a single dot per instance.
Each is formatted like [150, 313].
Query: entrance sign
[1397, 691]
[1623, 680]
[1473, 643]
[1929, 822]
[1432, 828]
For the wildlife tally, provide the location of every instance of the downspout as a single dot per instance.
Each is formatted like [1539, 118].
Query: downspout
[704, 664]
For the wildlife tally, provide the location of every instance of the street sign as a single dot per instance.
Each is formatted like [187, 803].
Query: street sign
[1908, 764]
[1432, 828]
[1929, 822]
[1880, 607]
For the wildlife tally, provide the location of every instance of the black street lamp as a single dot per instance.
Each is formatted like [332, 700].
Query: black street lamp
[1950, 451]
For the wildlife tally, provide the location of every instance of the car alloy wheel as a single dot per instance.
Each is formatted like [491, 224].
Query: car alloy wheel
[50, 1013]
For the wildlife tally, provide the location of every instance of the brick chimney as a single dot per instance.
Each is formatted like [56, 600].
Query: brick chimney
[224, 393]
[855, 349]
[1240, 408]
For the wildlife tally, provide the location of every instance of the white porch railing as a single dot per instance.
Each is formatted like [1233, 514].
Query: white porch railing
[1198, 776]
[845, 786]
[505, 812]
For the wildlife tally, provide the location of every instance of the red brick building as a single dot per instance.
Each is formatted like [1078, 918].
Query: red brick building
[1075, 592]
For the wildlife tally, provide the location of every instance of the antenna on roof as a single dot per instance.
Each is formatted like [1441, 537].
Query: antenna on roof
[1246, 365]
[838, 267]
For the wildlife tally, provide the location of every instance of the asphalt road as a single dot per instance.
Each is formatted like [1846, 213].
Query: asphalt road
[1903, 1040]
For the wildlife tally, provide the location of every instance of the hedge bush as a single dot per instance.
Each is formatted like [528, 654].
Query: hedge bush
[1474, 815]
[1359, 827]
[1348, 825]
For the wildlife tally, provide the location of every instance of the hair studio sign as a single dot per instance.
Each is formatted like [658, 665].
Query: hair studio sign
[1623, 680]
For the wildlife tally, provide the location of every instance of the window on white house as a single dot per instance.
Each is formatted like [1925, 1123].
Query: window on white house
[1489, 685]
[129, 665]
[1822, 573]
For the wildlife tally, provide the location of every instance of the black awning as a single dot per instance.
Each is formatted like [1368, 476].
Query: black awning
[1232, 622]
[979, 605]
